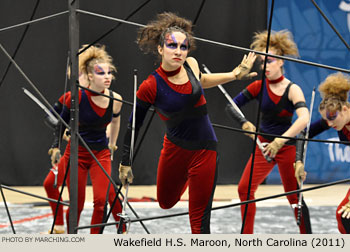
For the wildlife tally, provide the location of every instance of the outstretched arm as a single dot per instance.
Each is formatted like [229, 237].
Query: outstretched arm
[242, 71]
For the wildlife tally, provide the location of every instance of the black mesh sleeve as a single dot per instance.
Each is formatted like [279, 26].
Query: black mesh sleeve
[299, 155]
[57, 135]
[232, 113]
[141, 111]
[59, 128]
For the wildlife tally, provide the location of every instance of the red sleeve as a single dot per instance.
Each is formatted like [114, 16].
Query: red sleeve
[254, 88]
[148, 90]
[66, 98]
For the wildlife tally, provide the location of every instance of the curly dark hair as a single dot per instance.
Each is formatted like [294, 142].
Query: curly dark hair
[153, 34]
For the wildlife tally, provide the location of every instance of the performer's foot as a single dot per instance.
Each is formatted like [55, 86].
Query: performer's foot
[57, 229]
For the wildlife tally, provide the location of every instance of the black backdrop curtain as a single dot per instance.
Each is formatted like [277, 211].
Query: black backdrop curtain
[25, 139]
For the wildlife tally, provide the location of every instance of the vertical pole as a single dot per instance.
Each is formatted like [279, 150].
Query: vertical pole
[74, 113]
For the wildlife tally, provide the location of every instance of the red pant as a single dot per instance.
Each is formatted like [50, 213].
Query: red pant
[178, 168]
[86, 164]
[53, 192]
[285, 159]
[343, 224]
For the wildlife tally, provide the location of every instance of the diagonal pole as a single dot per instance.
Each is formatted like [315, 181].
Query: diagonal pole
[330, 24]
[115, 27]
[19, 43]
[7, 210]
[258, 119]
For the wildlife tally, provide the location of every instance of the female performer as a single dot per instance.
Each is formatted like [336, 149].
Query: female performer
[335, 111]
[175, 89]
[280, 98]
[55, 177]
[95, 113]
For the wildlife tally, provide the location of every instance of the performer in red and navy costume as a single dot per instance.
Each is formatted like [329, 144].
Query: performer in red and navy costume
[335, 111]
[189, 156]
[55, 177]
[280, 98]
[95, 113]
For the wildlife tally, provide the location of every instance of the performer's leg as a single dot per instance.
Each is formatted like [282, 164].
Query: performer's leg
[260, 171]
[343, 224]
[82, 180]
[285, 159]
[201, 182]
[53, 192]
[100, 183]
[172, 174]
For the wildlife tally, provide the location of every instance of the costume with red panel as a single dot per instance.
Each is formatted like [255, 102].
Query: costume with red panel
[189, 156]
[316, 128]
[276, 118]
[93, 121]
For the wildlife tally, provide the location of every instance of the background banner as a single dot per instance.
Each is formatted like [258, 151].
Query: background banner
[317, 42]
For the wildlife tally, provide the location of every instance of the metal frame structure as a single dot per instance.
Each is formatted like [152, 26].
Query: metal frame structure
[73, 13]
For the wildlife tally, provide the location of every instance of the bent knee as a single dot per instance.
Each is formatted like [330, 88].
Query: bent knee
[243, 190]
[48, 184]
[166, 205]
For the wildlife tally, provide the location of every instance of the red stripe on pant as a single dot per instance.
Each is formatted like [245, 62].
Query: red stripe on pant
[285, 159]
[178, 168]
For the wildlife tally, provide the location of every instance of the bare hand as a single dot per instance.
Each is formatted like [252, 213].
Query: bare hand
[112, 148]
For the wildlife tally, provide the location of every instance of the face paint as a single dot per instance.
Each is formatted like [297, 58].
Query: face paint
[331, 115]
[184, 46]
[268, 61]
[99, 70]
[171, 43]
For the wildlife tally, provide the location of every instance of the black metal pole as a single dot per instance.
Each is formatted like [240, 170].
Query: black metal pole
[19, 43]
[115, 27]
[33, 195]
[258, 119]
[330, 24]
[228, 45]
[60, 197]
[74, 113]
[7, 210]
